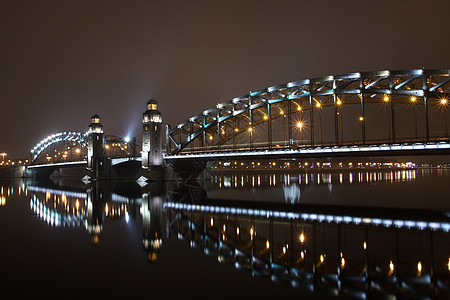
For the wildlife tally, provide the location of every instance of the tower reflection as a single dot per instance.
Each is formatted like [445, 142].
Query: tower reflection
[152, 219]
[94, 212]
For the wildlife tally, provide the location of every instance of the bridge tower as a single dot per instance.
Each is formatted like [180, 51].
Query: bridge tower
[96, 153]
[152, 160]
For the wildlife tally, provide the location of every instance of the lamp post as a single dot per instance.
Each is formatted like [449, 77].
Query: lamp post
[319, 108]
[299, 126]
[363, 133]
[444, 112]
[386, 100]
[3, 156]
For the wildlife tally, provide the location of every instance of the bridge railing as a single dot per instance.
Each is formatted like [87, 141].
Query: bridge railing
[297, 144]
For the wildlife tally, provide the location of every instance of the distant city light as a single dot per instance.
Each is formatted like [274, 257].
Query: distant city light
[127, 139]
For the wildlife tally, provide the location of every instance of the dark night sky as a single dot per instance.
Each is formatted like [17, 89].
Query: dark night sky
[63, 61]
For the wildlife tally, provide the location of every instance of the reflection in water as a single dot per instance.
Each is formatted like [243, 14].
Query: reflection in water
[317, 178]
[348, 253]
[152, 220]
[294, 183]
[292, 193]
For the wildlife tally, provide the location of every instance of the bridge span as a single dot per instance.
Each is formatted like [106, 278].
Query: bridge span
[385, 113]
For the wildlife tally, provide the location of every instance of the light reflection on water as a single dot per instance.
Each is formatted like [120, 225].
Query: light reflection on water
[340, 252]
[351, 187]
[316, 178]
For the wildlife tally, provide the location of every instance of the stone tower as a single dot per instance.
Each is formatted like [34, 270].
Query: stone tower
[96, 153]
[152, 160]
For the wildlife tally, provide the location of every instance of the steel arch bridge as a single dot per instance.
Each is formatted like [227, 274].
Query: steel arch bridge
[54, 139]
[72, 146]
[357, 108]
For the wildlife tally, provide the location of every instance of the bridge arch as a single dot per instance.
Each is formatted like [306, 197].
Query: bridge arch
[77, 137]
[352, 108]
[115, 146]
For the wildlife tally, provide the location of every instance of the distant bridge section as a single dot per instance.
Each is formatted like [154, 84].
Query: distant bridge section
[72, 137]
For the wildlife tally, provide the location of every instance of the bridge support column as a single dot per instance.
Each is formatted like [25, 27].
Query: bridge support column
[393, 119]
[291, 141]
[311, 114]
[269, 126]
[425, 103]
[336, 115]
[391, 85]
[152, 160]
[362, 118]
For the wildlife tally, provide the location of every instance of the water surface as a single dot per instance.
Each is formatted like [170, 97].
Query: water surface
[326, 234]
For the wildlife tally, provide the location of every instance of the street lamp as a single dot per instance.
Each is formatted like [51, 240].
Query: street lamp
[3, 156]
[299, 126]
[319, 106]
[386, 100]
[414, 101]
[444, 112]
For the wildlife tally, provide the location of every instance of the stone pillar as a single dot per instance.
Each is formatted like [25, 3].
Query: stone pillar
[152, 159]
[96, 153]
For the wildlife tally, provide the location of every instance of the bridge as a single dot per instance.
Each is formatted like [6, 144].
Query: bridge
[385, 113]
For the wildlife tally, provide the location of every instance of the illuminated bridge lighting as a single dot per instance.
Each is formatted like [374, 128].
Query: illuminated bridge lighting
[310, 217]
[317, 150]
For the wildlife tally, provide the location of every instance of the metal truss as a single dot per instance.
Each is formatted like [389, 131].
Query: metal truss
[218, 128]
[56, 138]
[112, 141]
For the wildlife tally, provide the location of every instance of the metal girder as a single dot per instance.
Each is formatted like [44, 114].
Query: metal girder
[432, 89]
[398, 86]
[347, 84]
